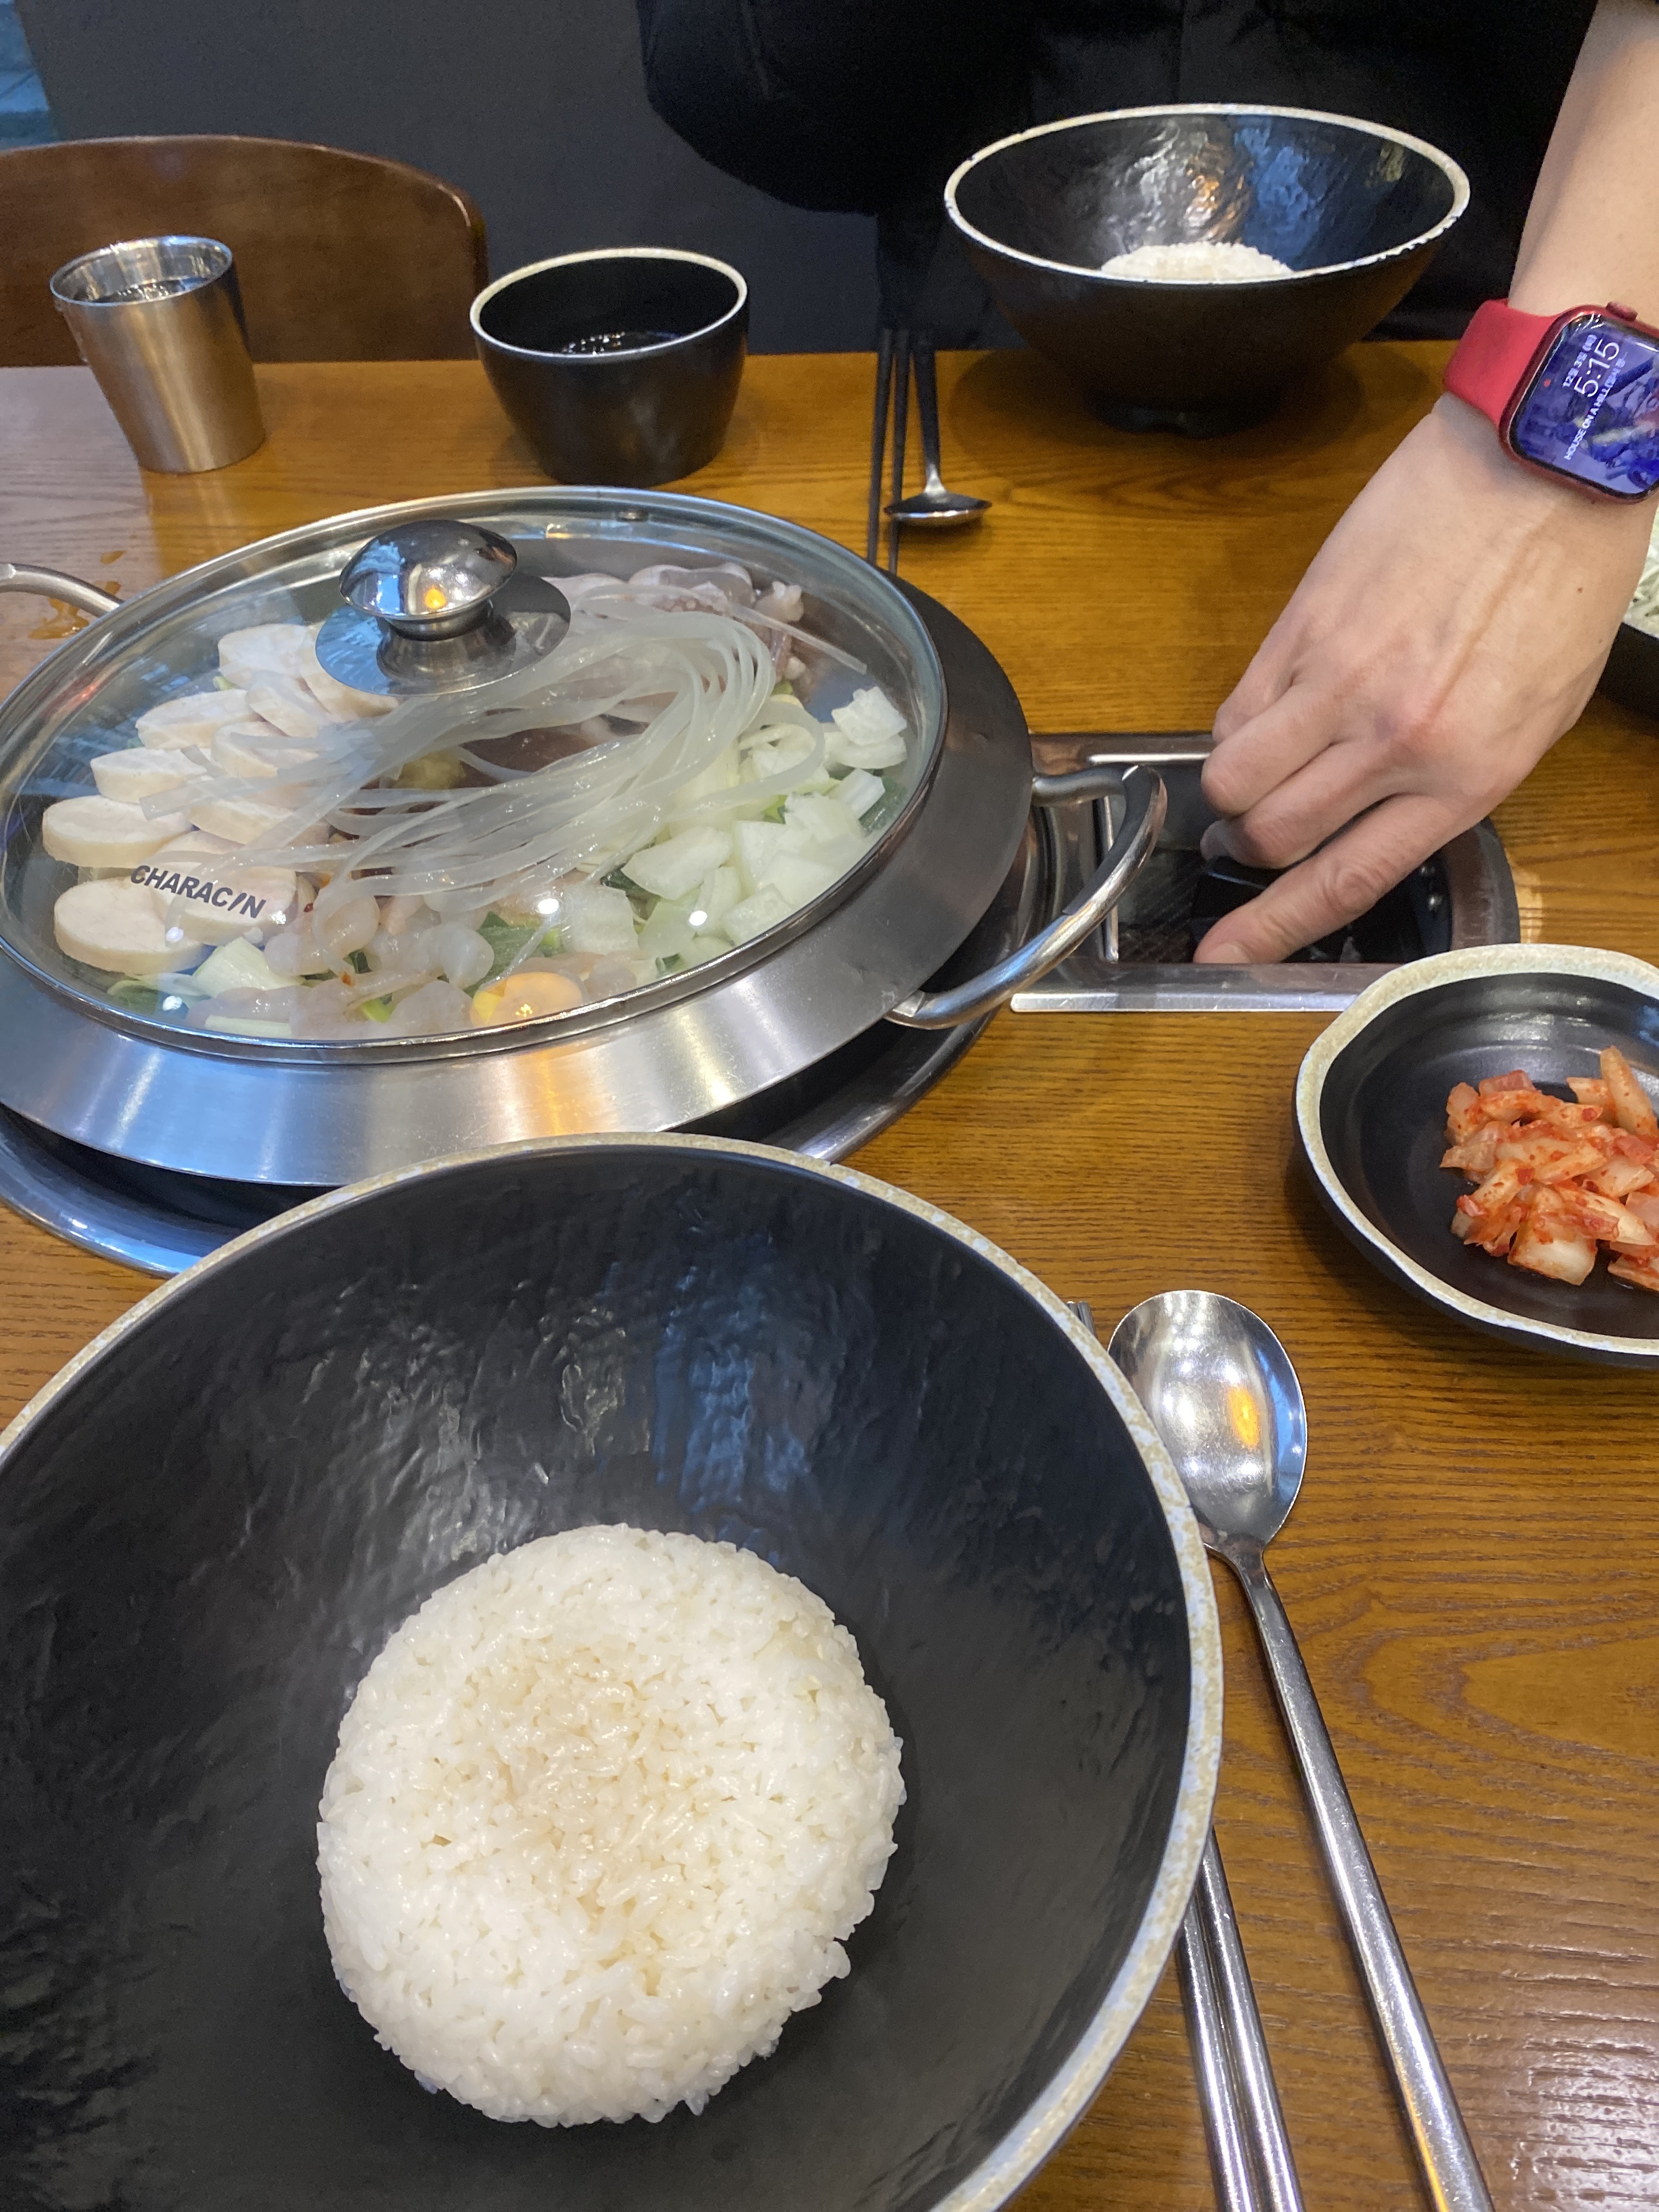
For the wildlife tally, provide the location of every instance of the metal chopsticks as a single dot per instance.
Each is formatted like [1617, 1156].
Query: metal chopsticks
[1267, 2141]
[900, 424]
[892, 380]
[879, 441]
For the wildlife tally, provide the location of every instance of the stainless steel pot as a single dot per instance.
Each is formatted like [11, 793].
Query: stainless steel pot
[675, 1051]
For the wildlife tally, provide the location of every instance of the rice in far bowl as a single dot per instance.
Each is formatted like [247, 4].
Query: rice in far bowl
[1197, 261]
[602, 1816]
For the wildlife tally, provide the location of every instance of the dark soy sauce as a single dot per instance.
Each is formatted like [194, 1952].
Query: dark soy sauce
[618, 341]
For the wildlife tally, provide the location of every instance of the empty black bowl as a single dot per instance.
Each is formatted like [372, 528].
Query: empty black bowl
[620, 366]
[1355, 209]
[214, 1520]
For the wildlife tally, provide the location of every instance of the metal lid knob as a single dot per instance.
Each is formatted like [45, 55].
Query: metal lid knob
[429, 580]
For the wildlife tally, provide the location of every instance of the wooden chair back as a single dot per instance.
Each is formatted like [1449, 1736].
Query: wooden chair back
[339, 256]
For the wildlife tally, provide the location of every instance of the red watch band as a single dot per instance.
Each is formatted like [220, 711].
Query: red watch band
[1494, 354]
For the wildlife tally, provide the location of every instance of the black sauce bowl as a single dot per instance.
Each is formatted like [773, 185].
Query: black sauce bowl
[217, 1516]
[652, 402]
[1356, 210]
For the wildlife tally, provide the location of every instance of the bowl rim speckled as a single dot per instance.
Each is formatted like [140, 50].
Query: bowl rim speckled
[608, 253]
[1433, 974]
[1072, 2086]
[1450, 169]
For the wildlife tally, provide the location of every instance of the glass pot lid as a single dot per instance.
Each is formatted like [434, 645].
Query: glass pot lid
[531, 760]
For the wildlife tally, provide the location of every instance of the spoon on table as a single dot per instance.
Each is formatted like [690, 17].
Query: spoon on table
[934, 505]
[1244, 2124]
[1220, 1390]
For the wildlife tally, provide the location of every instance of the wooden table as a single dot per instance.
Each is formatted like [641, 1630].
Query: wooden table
[1473, 1566]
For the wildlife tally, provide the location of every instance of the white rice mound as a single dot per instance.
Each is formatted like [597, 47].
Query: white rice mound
[602, 1814]
[1196, 261]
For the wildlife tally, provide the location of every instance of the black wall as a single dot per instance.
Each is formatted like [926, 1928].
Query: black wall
[536, 107]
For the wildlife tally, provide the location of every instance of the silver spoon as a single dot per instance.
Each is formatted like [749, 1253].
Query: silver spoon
[1243, 2127]
[1220, 1390]
[933, 505]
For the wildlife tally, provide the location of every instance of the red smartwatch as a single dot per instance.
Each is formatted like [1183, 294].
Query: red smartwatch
[1574, 395]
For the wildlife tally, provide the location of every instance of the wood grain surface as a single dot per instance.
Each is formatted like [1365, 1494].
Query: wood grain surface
[1473, 1567]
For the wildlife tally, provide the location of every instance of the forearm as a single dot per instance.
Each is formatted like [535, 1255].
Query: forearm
[1454, 623]
[1592, 233]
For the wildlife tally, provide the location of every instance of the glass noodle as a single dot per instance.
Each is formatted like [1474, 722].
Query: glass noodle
[694, 683]
[279, 855]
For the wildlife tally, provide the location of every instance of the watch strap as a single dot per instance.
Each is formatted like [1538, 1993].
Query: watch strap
[1494, 354]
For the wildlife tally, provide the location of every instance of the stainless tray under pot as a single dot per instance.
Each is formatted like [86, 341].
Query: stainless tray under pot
[103, 1069]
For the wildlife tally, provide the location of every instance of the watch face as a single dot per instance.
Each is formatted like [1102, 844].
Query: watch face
[1591, 412]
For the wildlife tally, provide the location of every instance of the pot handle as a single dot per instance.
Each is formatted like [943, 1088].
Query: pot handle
[52, 584]
[1145, 801]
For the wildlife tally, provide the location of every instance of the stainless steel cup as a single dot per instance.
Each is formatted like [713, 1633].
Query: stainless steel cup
[159, 323]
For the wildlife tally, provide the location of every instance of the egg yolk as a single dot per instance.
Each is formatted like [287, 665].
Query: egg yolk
[521, 998]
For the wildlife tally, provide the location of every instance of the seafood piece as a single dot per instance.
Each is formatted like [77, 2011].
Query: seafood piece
[349, 928]
[722, 587]
[294, 952]
[782, 601]
[464, 956]
[435, 1009]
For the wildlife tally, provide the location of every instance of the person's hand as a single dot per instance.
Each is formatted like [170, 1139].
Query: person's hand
[1451, 628]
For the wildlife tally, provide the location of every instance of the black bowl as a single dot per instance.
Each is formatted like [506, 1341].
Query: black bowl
[647, 395]
[1372, 1117]
[1357, 210]
[215, 1519]
[1632, 675]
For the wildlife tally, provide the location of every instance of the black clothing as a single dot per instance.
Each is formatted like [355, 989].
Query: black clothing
[868, 104]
